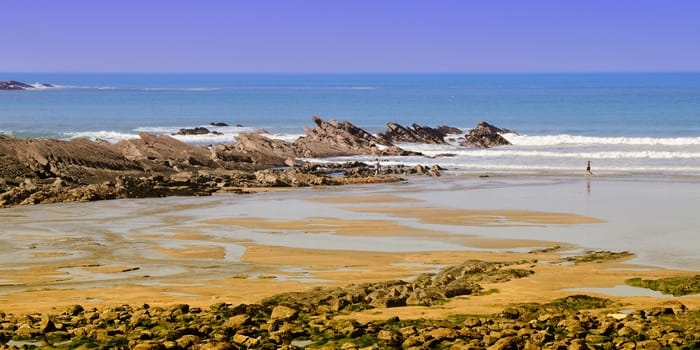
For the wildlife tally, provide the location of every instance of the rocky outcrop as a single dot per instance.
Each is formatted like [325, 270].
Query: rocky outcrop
[79, 160]
[333, 139]
[48, 171]
[18, 85]
[426, 289]
[485, 135]
[263, 151]
[51, 171]
[415, 134]
[448, 130]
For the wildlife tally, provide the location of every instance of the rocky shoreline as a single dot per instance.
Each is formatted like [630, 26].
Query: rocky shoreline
[39, 171]
[323, 318]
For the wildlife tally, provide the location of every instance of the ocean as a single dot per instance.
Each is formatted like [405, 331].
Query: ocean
[636, 124]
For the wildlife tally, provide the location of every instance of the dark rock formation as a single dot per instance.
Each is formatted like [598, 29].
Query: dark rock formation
[485, 135]
[415, 134]
[18, 85]
[448, 130]
[218, 124]
[193, 131]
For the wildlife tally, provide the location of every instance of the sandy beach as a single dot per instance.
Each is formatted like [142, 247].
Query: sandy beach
[242, 248]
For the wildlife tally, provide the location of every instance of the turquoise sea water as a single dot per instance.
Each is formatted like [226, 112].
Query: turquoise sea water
[645, 123]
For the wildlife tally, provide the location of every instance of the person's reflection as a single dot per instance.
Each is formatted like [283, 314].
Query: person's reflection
[588, 184]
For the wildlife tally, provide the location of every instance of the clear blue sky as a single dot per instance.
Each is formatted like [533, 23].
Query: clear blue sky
[349, 36]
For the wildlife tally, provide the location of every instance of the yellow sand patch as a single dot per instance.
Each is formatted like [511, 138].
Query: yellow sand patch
[49, 254]
[338, 268]
[467, 217]
[337, 226]
[194, 252]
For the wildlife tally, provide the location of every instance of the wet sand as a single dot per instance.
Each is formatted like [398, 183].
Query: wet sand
[240, 249]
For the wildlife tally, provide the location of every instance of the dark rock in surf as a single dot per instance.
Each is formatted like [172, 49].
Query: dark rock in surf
[218, 124]
[485, 135]
[194, 131]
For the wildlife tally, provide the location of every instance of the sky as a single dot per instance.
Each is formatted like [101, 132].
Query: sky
[349, 36]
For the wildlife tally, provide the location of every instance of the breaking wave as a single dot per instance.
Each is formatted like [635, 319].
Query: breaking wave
[110, 136]
[564, 139]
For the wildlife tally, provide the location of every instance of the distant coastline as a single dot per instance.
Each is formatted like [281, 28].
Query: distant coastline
[18, 85]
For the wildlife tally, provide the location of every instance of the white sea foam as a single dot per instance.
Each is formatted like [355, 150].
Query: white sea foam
[508, 165]
[41, 86]
[82, 87]
[564, 139]
[174, 129]
[7, 133]
[110, 136]
[284, 137]
[206, 138]
[490, 153]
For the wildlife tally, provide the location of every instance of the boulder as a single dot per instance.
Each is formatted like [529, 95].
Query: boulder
[283, 313]
[485, 135]
[218, 124]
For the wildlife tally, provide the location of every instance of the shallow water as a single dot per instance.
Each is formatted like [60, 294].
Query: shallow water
[655, 219]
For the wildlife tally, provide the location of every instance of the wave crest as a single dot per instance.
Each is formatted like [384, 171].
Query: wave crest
[564, 139]
[111, 136]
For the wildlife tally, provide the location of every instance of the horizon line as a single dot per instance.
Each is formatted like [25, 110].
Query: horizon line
[358, 72]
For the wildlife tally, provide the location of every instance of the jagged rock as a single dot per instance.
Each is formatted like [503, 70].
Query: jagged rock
[333, 139]
[164, 153]
[263, 150]
[448, 130]
[416, 134]
[485, 135]
[75, 160]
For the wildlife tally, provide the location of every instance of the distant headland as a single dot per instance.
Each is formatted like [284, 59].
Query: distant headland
[18, 85]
